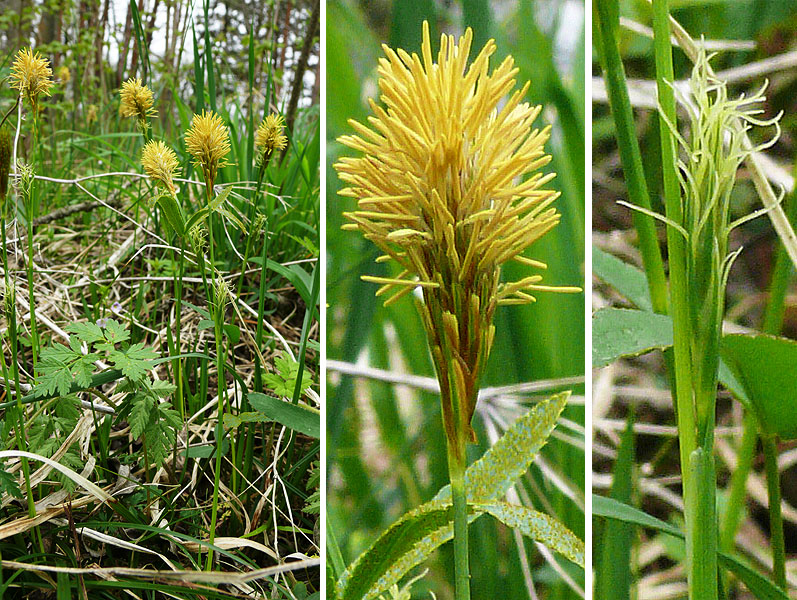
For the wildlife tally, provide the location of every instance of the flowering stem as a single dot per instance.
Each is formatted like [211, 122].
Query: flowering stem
[456, 471]
[218, 331]
[696, 310]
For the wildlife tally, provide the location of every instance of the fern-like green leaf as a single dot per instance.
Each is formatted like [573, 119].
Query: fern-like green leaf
[8, 483]
[140, 414]
[133, 362]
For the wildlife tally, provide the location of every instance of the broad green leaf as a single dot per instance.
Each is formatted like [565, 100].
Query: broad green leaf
[233, 332]
[626, 279]
[411, 539]
[234, 421]
[173, 213]
[765, 367]
[539, 527]
[294, 416]
[620, 332]
[492, 475]
[760, 586]
[405, 544]
[197, 217]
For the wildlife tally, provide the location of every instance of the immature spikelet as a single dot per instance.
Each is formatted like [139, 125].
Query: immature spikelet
[159, 162]
[208, 142]
[63, 74]
[269, 137]
[5, 164]
[442, 190]
[91, 114]
[137, 101]
[31, 75]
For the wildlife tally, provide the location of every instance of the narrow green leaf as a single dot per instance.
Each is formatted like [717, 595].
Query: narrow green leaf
[764, 366]
[209, 62]
[143, 50]
[196, 218]
[620, 332]
[613, 576]
[199, 76]
[294, 416]
[626, 279]
[539, 527]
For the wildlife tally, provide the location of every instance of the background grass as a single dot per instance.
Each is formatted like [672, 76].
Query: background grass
[385, 442]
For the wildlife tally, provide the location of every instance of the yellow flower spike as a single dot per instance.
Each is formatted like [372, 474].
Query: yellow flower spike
[137, 101]
[159, 162]
[31, 75]
[208, 142]
[269, 136]
[447, 188]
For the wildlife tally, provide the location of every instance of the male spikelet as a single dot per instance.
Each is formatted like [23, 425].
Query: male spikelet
[160, 162]
[442, 191]
[269, 137]
[137, 101]
[31, 75]
[208, 142]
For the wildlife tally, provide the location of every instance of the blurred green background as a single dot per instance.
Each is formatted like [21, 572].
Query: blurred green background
[386, 451]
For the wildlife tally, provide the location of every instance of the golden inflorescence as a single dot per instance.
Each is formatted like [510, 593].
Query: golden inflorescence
[448, 186]
[269, 136]
[441, 180]
[137, 100]
[208, 142]
[31, 75]
[160, 162]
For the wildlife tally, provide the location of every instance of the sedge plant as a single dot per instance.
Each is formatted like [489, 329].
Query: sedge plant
[449, 189]
[698, 188]
[207, 141]
[31, 76]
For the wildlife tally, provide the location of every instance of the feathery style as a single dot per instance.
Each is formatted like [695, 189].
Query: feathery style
[208, 142]
[137, 101]
[159, 162]
[31, 75]
[448, 188]
[269, 136]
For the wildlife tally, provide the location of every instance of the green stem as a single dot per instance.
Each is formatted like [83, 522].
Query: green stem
[456, 471]
[775, 516]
